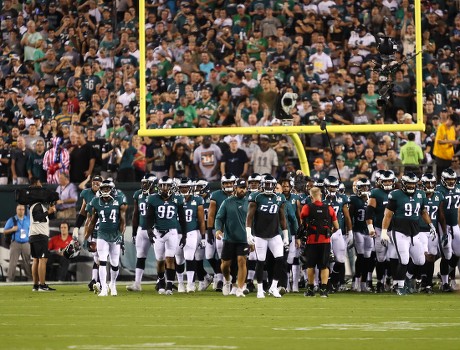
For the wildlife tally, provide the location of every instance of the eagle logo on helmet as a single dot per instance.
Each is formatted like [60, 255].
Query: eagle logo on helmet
[409, 183]
[331, 185]
[165, 186]
[428, 182]
[72, 250]
[268, 185]
[254, 181]
[362, 187]
[388, 180]
[449, 178]
[201, 187]
[228, 183]
[185, 187]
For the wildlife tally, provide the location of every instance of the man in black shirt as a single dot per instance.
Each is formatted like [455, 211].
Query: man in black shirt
[82, 160]
[234, 160]
[4, 162]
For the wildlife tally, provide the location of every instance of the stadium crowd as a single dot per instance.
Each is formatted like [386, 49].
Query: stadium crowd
[69, 76]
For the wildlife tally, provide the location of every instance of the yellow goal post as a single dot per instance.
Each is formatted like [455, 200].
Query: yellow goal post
[291, 131]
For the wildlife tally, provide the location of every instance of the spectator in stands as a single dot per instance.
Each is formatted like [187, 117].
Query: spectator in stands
[264, 160]
[206, 159]
[235, 160]
[341, 169]
[5, 158]
[35, 162]
[19, 158]
[125, 161]
[56, 246]
[68, 196]
[82, 160]
[318, 171]
[56, 160]
[18, 227]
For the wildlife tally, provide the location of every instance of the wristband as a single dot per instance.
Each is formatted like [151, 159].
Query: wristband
[384, 231]
[350, 232]
[248, 231]
[370, 228]
[432, 226]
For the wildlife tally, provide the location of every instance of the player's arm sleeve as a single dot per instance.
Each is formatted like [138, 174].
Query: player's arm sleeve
[182, 222]
[392, 205]
[370, 212]
[135, 218]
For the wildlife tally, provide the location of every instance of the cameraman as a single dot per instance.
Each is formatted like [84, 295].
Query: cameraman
[38, 237]
[319, 221]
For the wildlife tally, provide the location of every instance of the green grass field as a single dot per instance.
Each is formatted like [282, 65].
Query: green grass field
[73, 318]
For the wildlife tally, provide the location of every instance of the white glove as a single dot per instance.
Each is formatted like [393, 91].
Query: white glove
[285, 238]
[371, 230]
[432, 232]
[385, 239]
[203, 243]
[350, 239]
[75, 233]
[249, 236]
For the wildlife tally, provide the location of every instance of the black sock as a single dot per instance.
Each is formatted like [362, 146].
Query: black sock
[200, 271]
[260, 271]
[380, 270]
[365, 269]
[359, 266]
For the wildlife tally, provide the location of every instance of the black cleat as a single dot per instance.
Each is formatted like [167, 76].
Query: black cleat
[309, 293]
[323, 293]
[429, 290]
[45, 288]
[91, 285]
[220, 285]
[250, 286]
[35, 288]
[446, 288]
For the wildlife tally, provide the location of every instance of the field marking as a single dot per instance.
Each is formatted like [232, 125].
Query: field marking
[150, 346]
[371, 327]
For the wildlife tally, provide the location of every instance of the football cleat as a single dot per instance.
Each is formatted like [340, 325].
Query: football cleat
[97, 288]
[274, 292]
[429, 290]
[134, 288]
[91, 285]
[250, 286]
[282, 291]
[181, 287]
[446, 288]
[401, 291]
[169, 292]
[233, 291]
[309, 293]
[323, 293]
[219, 286]
[45, 288]
[160, 287]
[240, 293]
[260, 295]
[226, 289]
[35, 288]
[113, 289]
[103, 293]
[191, 288]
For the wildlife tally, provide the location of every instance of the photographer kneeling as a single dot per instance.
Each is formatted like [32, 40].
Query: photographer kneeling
[319, 221]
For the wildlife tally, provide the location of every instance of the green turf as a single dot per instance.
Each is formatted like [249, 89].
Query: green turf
[74, 318]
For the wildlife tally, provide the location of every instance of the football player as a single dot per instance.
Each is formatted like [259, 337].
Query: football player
[364, 244]
[450, 240]
[435, 209]
[253, 186]
[194, 234]
[217, 197]
[339, 239]
[404, 209]
[266, 212]
[230, 228]
[140, 238]
[292, 213]
[163, 210]
[378, 200]
[202, 189]
[110, 212]
[86, 196]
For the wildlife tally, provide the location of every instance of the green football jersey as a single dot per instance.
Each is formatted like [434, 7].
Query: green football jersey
[451, 203]
[407, 210]
[358, 214]
[266, 218]
[166, 211]
[337, 202]
[141, 199]
[381, 200]
[87, 194]
[231, 219]
[218, 196]
[432, 207]
[304, 199]
[109, 218]
[290, 209]
[191, 212]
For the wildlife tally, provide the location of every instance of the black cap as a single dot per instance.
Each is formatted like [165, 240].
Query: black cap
[358, 142]
[180, 113]
[241, 183]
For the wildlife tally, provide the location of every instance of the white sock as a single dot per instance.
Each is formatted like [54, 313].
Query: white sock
[274, 284]
[138, 278]
[180, 277]
[94, 274]
[445, 279]
[190, 275]
[103, 276]
[295, 276]
[260, 287]
[113, 276]
[400, 284]
[251, 274]
[220, 277]
[228, 281]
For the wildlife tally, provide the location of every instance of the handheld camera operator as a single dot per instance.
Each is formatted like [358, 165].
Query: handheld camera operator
[319, 222]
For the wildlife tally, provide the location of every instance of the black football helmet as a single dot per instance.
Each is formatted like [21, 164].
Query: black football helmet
[72, 250]
[449, 178]
[409, 183]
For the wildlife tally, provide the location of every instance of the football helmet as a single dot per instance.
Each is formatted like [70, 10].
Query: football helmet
[341, 188]
[201, 187]
[319, 183]
[254, 182]
[449, 178]
[268, 185]
[428, 182]
[361, 187]
[106, 189]
[185, 187]
[72, 250]
[409, 183]
[165, 186]
[387, 180]
[331, 185]
[147, 183]
[228, 183]
[378, 176]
